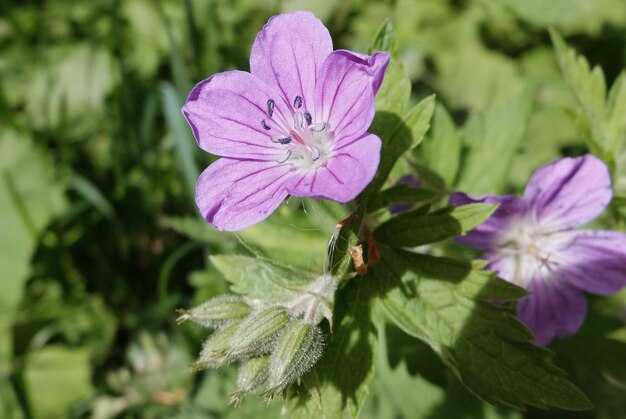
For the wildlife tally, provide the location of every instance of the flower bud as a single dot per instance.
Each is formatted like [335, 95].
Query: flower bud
[251, 377]
[298, 349]
[217, 311]
[216, 350]
[258, 331]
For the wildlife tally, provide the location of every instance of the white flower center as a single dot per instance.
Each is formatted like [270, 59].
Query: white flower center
[305, 144]
[531, 252]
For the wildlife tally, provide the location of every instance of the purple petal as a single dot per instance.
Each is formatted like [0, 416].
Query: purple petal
[497, 228]
[345, 93]
[569, 192]
[235, 194]
[594, 261]
[347, 172]
[376, 65]
[226, 112]
[554, 309]
[289, 52]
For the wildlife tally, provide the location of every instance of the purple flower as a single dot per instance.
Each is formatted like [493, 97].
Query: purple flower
[529, 241]
[295, 125]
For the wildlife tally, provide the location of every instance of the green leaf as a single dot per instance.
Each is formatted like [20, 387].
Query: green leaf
[485, 345]
[553, 12]
[415, 229]
[70, 88]
[185, 144]
[145, 22]
[398, 386]
[587, 85]
[384, 40]
[58, 377]
[394, 93]
[418, 119]
[615, 129]
[29, 198]
[9, 406]
[601, 121]
[338, 384]
[92, 194]
[492, 143]
[441, 151]
[402, 194]
[398, 136]
[572, 16]
[260, 279]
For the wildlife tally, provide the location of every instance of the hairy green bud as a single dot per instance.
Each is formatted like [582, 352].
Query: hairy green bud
[217, 350]
[258, 332]
[217, 311]
[298, 349]
[251, 377]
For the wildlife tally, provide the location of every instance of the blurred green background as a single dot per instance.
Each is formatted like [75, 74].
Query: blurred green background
[99, 237]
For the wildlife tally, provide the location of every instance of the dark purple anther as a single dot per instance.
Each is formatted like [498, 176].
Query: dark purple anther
[308, 118]
[270, 108]
[264, 125]
[281, 140]
[297, 102]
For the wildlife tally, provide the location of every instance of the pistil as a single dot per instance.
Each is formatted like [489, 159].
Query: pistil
[296, 136]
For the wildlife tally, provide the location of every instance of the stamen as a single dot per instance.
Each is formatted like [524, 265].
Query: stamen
[319, 127]
[315, 153]
[270, 107]
[282, 140]
[308, 118]
[285, 157]
[298, 120]
[264, 125]
[297, 102]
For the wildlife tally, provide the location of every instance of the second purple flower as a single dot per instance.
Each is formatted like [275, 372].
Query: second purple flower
[295, 125]
[530, 241]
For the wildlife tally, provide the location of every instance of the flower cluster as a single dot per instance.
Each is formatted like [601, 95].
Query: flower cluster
[295, 125]
[274, 343]
[529, 241]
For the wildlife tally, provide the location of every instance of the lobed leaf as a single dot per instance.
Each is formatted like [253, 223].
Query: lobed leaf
[602, 120]
[260, 279]
[484, 344]
[587, 84]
